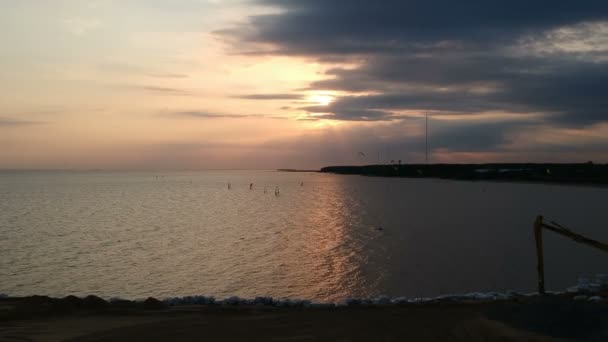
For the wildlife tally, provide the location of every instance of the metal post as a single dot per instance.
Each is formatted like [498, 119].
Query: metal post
[426, 138]
[539, 225]
[540, 266]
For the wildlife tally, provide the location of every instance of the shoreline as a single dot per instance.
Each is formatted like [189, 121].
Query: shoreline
[554, 317]
[592, 292]
[596, 286]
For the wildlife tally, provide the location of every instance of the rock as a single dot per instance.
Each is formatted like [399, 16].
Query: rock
[73, 301]
[35, 305]
[382, 300]
[67, 304]
[121, 303]
[94, 302]
[572, 289]
[399, 301]
[580, 297]
[264, 301]
[594, 287]
[352, 302]
[38, 300]
[596, 299]
[153, 304]
[234, 300]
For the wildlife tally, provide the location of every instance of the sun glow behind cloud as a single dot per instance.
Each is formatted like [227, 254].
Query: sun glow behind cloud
[86, 85]
[322, 100]
[83, 102]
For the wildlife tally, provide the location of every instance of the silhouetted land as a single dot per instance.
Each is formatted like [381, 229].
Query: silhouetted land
[550, 318]
[296, 170]
[586, 173]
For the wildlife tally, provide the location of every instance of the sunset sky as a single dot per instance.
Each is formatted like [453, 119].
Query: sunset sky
[213, 84]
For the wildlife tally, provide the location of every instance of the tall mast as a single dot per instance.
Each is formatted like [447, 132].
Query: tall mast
[426, 138]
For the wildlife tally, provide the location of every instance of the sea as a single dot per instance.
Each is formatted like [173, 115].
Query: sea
[304, 235]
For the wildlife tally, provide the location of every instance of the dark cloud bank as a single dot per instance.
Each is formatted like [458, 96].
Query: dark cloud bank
[442, 56]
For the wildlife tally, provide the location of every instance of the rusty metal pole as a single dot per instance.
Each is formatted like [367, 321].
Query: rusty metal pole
[540, 266]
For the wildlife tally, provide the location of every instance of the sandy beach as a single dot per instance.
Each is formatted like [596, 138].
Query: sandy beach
[554, 318]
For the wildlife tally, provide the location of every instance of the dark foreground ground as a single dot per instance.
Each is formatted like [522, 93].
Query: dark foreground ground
[524, 319]
[587, 173]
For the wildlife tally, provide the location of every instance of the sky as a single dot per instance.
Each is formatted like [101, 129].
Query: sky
[264, 84]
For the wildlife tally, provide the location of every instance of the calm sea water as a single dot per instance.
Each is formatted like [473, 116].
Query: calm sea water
[134, 235]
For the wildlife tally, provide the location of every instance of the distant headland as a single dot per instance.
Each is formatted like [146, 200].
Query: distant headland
[296, 170]
[563, 173]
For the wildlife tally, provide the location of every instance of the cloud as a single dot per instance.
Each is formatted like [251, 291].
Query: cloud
[572, 92]
[346, 27]
[169, 75]
[398, 140]
[404, 139]
[269, 96]
[437, 55]
[137, 69]
[167, 90]
[211, 115]
[340, 112]
[476, 136]
[81, 26]
[208, 115]
[9, 122]
[159, 90]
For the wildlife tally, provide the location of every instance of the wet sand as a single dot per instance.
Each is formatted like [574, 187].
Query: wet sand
[553, 319]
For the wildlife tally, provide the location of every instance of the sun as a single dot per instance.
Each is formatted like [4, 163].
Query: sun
[322, 100]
